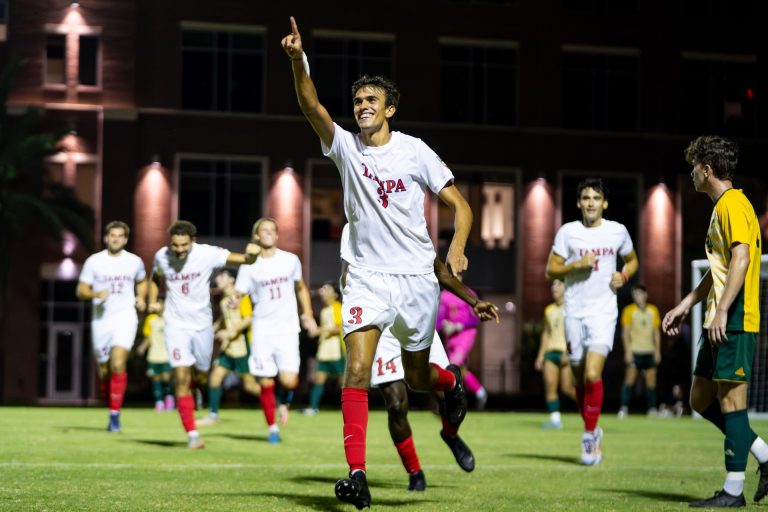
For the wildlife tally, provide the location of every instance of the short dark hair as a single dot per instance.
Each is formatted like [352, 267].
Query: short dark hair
[334, 285]
[639, 287]
[117, 224]
[719, 153]
[391, 93]
[183, 227]
[595, 184]
[224, 270]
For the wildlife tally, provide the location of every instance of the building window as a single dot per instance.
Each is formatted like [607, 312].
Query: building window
[223, 69]
[718, 94]
[479, 81]
[607, 6]
[600, 90]
[62, 43]
[55, 59]
[221, 196]
[88, 60]
[491, 248]
[720, 7]
[326, 206]
[342, 58]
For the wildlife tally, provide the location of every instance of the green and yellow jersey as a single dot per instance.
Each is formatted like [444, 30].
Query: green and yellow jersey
[154, 329]
[330, 347]
[554, 318]
[231, 316]
[641, 324]
[734, 222]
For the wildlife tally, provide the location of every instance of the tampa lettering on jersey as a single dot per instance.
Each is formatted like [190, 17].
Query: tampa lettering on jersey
[386, 187]
[604, 251]
[115, 278]
[274, 281]
[184, 277]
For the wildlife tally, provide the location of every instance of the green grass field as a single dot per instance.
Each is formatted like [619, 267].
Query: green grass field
[62, 459]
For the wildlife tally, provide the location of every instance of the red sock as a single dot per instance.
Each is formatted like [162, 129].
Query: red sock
[407, 451]
[268, 403]
[593, 404]
[580, 399]
[445, 379]
[448, 429]
[186, 406]
[354, 409]
[117, 384]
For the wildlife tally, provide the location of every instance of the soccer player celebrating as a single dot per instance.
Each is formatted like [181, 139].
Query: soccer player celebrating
[115, 282]
[231, 329]
[551, 360]
[277, 288]
[185, 267]
[584, 256]
[731, 287]
[641, 334]
[390, 281]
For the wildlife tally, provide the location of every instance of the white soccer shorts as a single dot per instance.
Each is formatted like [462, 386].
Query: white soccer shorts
[590, 334]
[187, 347]
[112, 332]
[406, 304]
[388, 364]
[273, 353]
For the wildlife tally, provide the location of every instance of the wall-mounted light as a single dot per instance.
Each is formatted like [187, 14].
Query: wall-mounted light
[155, 161]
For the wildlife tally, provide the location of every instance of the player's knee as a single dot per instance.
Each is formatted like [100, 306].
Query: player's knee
[397, 409]
[358, 370]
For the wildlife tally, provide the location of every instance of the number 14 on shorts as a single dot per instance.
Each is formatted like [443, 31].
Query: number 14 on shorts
[389, 366]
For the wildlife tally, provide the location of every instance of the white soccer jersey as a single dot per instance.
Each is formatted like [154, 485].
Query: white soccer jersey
[384, 191]
[187, 284]
[118, 274]
[588, 291]
[271, 284]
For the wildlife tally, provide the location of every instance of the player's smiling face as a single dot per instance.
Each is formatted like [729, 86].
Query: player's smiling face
[266, 235]
[591, 203]
[181, 245]
[116, 240]
[370, 108]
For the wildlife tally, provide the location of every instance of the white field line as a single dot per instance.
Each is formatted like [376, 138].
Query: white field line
[217, 466]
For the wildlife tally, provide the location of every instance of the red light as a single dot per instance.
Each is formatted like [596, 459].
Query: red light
[750, 94]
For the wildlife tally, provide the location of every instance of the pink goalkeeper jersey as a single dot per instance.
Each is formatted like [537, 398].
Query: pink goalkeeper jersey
[455, 310]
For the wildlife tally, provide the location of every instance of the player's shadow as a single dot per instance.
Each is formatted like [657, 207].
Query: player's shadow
[674, 497]
[84, 429]
[163, 444]
[320, 479]
[539, 456]
[331, 503]
[239, 437]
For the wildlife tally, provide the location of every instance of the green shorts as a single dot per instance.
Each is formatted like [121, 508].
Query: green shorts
[644, 361]
[158, 369]
[236, 364]
[730, 362]
[331, 367]
[554, 356]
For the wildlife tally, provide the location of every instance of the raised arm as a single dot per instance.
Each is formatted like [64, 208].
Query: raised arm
[462, 224]
[306, 93]
[252, 252]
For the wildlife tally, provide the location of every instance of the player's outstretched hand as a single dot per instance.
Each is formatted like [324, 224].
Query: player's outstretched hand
[486, 311]
[674, 319]
[292, 42]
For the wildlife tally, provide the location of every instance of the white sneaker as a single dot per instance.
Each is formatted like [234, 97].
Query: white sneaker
[481, 399]
[622, 412]
[310, 411]
[590, 447]
[652, 411]
[195, 441]
[211, 419]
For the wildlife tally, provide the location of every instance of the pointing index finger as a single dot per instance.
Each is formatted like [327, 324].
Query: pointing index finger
[294, 27]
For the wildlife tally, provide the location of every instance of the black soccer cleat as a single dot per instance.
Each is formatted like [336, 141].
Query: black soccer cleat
[721, 499]
[354, 490]
[762, 482]
[461, 452]
[456, 398]
[417, 481]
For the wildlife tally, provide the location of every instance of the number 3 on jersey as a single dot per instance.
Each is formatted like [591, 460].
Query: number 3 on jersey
[390, 366]
[357, 313]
